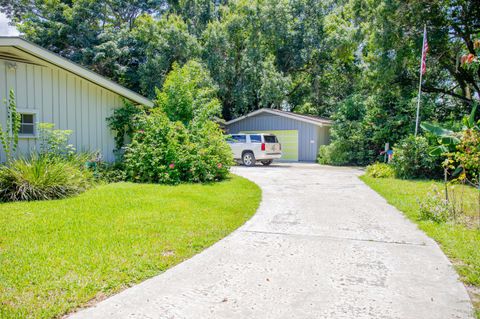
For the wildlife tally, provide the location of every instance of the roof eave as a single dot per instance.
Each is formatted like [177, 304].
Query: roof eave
[70, 66]
[254, 113]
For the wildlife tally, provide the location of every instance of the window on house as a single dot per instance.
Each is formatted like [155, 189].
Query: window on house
[27, 124]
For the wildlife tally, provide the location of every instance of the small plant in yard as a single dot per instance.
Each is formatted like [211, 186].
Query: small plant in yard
[9, 134]
[435, 207]
[54, 142]
[380, 170]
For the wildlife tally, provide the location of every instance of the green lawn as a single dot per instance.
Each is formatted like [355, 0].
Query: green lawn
[57, 255]
[459, 242]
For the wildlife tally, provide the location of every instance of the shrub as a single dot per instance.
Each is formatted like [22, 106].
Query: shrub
[122, 122]
[110, 173]
[169, 152]
[412, 159]
[42, 178]
[435, 207]
[332, 154]
[53, 142]
[380, 170]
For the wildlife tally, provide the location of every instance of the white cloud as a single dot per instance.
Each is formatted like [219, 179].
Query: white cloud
[5, 28]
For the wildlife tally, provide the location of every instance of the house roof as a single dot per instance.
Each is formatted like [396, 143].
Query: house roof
[24, 49]
[316, 120]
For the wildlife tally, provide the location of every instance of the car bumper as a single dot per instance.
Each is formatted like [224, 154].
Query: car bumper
[261, 157]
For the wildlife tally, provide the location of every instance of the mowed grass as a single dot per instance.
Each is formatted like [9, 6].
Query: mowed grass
[460, 243]
[58, 255]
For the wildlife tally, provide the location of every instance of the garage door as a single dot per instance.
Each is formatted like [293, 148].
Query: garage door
[289, 141]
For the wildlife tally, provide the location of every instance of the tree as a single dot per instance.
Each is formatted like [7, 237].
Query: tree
[189, 94]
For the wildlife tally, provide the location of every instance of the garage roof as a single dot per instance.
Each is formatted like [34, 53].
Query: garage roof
[20, 50]
[316, 120]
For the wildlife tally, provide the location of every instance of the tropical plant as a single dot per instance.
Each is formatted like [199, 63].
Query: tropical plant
[9, 134]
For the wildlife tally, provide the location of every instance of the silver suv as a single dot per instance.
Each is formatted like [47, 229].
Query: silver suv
[250, 148]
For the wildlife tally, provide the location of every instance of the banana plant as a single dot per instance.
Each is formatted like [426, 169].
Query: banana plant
[447, 139]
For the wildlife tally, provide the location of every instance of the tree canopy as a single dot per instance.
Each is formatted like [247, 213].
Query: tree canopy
[354, 60]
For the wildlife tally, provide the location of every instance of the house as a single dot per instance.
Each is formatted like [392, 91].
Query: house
[49, 88]
[300, 135]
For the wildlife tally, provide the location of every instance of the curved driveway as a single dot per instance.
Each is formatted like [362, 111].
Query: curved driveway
[322, 245]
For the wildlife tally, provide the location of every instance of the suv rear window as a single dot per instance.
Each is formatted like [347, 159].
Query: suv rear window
[255, 138]
[238, 138]
[270, 139]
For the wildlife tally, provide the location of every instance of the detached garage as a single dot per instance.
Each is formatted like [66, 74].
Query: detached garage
[300, 135]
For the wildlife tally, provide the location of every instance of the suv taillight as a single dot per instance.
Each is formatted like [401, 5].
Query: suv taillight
[263, 146]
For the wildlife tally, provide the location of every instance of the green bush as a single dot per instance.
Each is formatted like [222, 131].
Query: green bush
[54, 142]
[380, 170]
[169, 152]
[412, 159]
[332, 154]
[110, 173]
[42, 178]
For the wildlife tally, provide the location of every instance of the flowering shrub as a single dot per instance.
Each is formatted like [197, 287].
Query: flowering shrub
[169, 152]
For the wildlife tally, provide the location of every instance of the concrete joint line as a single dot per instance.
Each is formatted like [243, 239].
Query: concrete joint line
[337, 238]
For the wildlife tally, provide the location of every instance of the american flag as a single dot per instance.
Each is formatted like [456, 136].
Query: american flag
[424, 52]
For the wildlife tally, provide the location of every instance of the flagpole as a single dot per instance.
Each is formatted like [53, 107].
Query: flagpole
[420, 83]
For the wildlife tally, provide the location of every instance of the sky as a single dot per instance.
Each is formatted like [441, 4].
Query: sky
[6, 29]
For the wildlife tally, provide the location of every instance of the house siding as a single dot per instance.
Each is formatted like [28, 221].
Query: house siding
[307, 132]
[65, 99]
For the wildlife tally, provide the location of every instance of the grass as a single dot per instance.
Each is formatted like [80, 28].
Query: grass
[459, 241]
[56, 256]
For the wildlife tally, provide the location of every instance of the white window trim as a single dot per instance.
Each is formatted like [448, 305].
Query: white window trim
[33, 112]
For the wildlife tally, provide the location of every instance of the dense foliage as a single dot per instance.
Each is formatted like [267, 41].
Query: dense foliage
[354, 60]
[412, 159]
[179, 140]
[122, 122]
[169, 152]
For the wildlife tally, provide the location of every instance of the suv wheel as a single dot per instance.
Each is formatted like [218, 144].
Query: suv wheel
[248, 159]
[266, 163]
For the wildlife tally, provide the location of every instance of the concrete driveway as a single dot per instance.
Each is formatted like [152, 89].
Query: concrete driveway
[322, 245]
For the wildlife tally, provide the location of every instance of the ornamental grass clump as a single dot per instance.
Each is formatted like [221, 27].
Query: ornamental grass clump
[42, 178]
